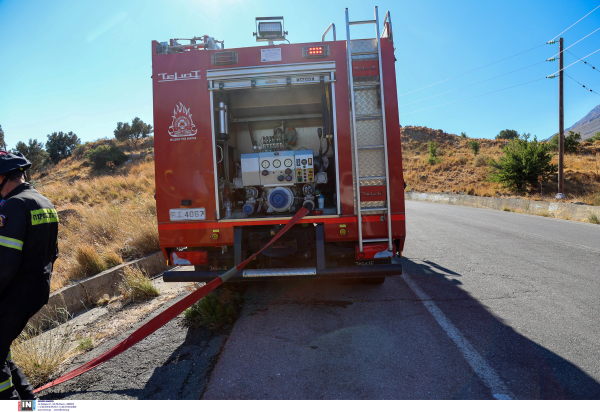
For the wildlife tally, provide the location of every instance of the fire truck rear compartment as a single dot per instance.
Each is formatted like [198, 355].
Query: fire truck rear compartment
[275, 151]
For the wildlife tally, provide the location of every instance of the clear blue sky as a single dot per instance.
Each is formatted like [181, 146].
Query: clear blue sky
[83, 66]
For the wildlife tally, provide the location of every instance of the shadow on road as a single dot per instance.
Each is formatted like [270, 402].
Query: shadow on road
[529, 369]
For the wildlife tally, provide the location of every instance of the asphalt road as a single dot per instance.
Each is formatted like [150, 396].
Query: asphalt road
[491, 305]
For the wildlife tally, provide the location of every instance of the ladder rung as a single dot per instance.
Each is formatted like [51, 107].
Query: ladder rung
[372, 178]
[367, 53]
[352, 23]
[369, 84]
[381, 239]
[374, 146]
[368, 116]
[372, 209]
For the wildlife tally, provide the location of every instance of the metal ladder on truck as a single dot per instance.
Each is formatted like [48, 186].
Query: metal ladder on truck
[369, 136]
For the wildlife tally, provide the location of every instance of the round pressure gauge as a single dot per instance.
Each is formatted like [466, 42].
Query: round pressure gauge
[265, 164]
[276, 163]
[288, 162]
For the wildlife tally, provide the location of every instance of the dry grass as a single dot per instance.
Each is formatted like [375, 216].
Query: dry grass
[40, 354]
[460, 171]
[136, 286]
[111, 217]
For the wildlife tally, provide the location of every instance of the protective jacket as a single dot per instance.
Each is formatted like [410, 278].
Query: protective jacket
[28, 249]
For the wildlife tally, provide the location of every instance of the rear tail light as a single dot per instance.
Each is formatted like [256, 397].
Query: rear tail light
[190, 258]
[313, 52]
[375, 251]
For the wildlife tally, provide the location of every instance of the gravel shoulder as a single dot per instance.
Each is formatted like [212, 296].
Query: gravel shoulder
[173, 363]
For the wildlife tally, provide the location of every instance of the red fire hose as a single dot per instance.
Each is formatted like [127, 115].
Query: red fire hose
[162, 319]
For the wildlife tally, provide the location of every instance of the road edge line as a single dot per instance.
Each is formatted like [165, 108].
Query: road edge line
[485, 372]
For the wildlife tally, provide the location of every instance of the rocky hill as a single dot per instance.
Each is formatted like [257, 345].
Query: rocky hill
[588, 125]
[425, 134]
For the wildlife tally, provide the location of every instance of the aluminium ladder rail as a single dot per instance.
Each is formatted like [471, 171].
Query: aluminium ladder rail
[358, 177]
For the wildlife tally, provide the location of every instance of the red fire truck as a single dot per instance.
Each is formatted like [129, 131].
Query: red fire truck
[246, 137]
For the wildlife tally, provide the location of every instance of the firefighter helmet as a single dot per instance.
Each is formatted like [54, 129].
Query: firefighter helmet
[13, 161]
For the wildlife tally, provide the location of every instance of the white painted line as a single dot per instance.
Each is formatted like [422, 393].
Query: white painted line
[477, 362]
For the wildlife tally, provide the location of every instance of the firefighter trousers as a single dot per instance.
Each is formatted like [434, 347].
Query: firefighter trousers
[13, 384]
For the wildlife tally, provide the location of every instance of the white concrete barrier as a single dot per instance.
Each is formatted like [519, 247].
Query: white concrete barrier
[552, 209]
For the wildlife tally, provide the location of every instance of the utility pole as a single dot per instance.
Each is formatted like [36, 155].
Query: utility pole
[561, 125]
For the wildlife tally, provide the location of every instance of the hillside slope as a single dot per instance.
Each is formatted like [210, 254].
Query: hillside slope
[460, 171]
[106, 217]
[588, 125]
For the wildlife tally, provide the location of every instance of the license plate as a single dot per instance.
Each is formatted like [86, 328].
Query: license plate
[188, 214]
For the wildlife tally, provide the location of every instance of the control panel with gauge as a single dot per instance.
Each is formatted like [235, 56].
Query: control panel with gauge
[284, 168]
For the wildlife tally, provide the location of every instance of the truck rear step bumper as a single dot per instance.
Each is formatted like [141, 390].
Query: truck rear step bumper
[348, 272]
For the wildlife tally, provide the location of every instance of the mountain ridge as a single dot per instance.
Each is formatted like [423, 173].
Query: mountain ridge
[588, 125]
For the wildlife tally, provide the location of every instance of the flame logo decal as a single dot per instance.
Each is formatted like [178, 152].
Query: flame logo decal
[182, 124]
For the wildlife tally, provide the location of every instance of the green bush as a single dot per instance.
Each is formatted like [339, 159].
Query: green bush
[217, 309]
[106, 157]
[474, 145]
[80, 151]
[507, 134]
[433, 146]
[572, 141]
[524, 164]
[595, 137]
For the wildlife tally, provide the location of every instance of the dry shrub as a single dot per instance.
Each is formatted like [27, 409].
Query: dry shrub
[89, 260]
[480, 161]
[136, 286]
[40, 355]
[593, 199]
[111, 258]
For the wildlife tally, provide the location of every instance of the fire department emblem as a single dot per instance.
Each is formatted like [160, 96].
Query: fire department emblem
[182, 122]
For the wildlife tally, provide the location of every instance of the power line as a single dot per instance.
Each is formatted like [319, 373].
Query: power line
[574, 43]
[473, 84]
[471, 71]
[472, 97]
[573, 63]
[582, 85]
[498, 61]
[575, 23]
[593, 67]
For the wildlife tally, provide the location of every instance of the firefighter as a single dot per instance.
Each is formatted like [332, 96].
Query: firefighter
[28, 249]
